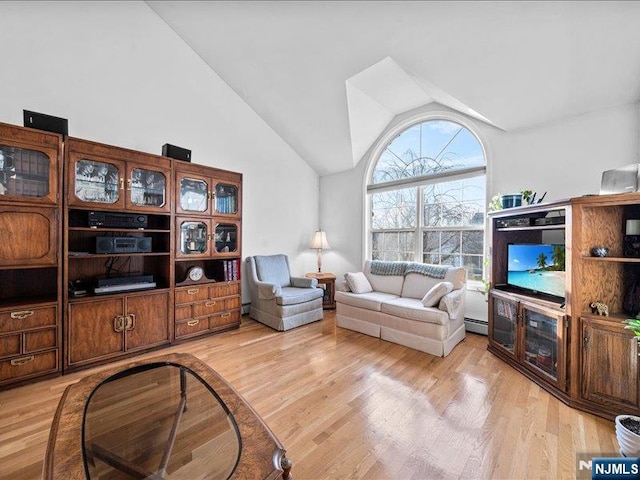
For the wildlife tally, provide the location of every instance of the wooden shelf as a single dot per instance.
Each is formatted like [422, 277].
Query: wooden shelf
[119, 230]
[83, 255]
[611, 259]
[559, 226]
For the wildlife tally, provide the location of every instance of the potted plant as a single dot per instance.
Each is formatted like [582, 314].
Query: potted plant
[628, 426]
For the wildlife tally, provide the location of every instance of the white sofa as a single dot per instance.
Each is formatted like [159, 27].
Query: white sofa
[394, 310]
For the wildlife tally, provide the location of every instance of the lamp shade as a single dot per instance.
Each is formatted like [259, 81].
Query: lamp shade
[320, 240]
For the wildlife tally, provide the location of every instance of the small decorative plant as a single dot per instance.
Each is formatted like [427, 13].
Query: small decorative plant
[628, 426]
[633, 324]
[528, 198]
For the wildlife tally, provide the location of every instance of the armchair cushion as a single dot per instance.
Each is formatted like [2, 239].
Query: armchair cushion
[273, 269]
[294, 296]
[304, 282]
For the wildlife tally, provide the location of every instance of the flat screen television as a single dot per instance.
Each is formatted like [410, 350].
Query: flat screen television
[537, 268]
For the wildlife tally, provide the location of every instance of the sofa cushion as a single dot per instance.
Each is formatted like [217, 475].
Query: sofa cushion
[435, 293]
[384, 283]
[417, 285]
[358, 282]
[413, 309]
[273, 269]
[369, 301]
[293, 295]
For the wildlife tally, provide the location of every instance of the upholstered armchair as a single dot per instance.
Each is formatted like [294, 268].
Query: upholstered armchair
[278, 299]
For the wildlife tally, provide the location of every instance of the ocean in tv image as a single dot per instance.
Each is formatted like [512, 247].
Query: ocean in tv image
[537, 267]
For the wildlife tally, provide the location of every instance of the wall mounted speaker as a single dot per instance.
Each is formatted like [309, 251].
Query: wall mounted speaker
[178, 153]
[44, 122]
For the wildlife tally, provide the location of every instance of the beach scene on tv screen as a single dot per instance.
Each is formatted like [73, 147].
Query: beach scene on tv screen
[538, 267]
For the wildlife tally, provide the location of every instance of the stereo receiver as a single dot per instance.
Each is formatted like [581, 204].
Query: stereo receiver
[117, 220]
[123, 244]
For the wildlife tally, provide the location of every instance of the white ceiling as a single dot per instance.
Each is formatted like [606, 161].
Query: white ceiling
[329, 76]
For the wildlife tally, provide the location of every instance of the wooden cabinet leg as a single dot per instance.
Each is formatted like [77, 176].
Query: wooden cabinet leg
[286, 465]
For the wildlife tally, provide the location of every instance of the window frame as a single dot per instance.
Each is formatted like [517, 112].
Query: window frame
[369, 187]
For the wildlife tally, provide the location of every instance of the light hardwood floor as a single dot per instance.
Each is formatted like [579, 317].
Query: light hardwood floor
[349, 406]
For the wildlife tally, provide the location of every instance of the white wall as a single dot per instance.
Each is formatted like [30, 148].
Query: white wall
[122, 77]
[565, 159]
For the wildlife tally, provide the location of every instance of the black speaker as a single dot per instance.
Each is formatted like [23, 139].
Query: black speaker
[144, 245]
[123, 244]
[178, 153]
[44, 122]
[632, 246]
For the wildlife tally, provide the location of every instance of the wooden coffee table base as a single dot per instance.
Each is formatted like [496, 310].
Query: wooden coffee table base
[159, 417]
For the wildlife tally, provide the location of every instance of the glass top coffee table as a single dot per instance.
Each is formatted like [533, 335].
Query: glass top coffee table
[169, 417]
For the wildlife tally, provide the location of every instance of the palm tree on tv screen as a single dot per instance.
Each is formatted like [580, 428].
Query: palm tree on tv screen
[542, 260]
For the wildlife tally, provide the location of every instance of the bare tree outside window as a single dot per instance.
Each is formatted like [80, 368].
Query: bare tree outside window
[439, 218]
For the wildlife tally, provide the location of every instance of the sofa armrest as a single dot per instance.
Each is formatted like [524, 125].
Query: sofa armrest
[304, 282]
[342, 287]
[453, 303]
[268, 291]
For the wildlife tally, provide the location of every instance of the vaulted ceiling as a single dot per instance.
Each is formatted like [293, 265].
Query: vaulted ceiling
[329, 76]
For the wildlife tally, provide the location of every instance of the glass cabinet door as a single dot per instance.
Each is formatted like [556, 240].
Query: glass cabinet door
[504, 323]
[226, 199]
[97, 182]
[543, 341]
[193, 195]
[226, 238]
[193, 238]
[25, 173]
[147, 188]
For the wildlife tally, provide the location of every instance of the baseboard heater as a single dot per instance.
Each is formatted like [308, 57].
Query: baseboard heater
[476, 326]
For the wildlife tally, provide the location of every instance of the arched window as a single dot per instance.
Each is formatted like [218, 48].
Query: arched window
[427, 197]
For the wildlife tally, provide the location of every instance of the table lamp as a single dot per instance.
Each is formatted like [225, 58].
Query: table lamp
[319, 242]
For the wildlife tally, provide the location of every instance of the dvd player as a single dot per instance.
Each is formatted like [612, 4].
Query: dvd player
[125, 287]
[123, 279]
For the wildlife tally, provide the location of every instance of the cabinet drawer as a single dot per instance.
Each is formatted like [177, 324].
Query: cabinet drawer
[39, 340]
[224, 319]
[191, 327]
[208, 307]
[10, 345]
[27, 365]
[26, 318]
[231, 303]
[224, 290]
[183, 312]
[191, 294]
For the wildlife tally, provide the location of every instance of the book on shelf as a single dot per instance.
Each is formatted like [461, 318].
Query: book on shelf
[229, 270]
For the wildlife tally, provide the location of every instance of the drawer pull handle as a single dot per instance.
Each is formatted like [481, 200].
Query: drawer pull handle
[193, 323]
[193, 291]
[118, 323]
[17, 362]
[210, 304]
[22, 315]
[226, 315]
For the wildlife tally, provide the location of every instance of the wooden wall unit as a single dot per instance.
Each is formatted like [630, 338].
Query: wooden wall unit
[208, 237]
[50, 189]
[30, 254]
[602, 371]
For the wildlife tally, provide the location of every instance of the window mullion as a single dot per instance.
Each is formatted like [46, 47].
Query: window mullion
[419, 224]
